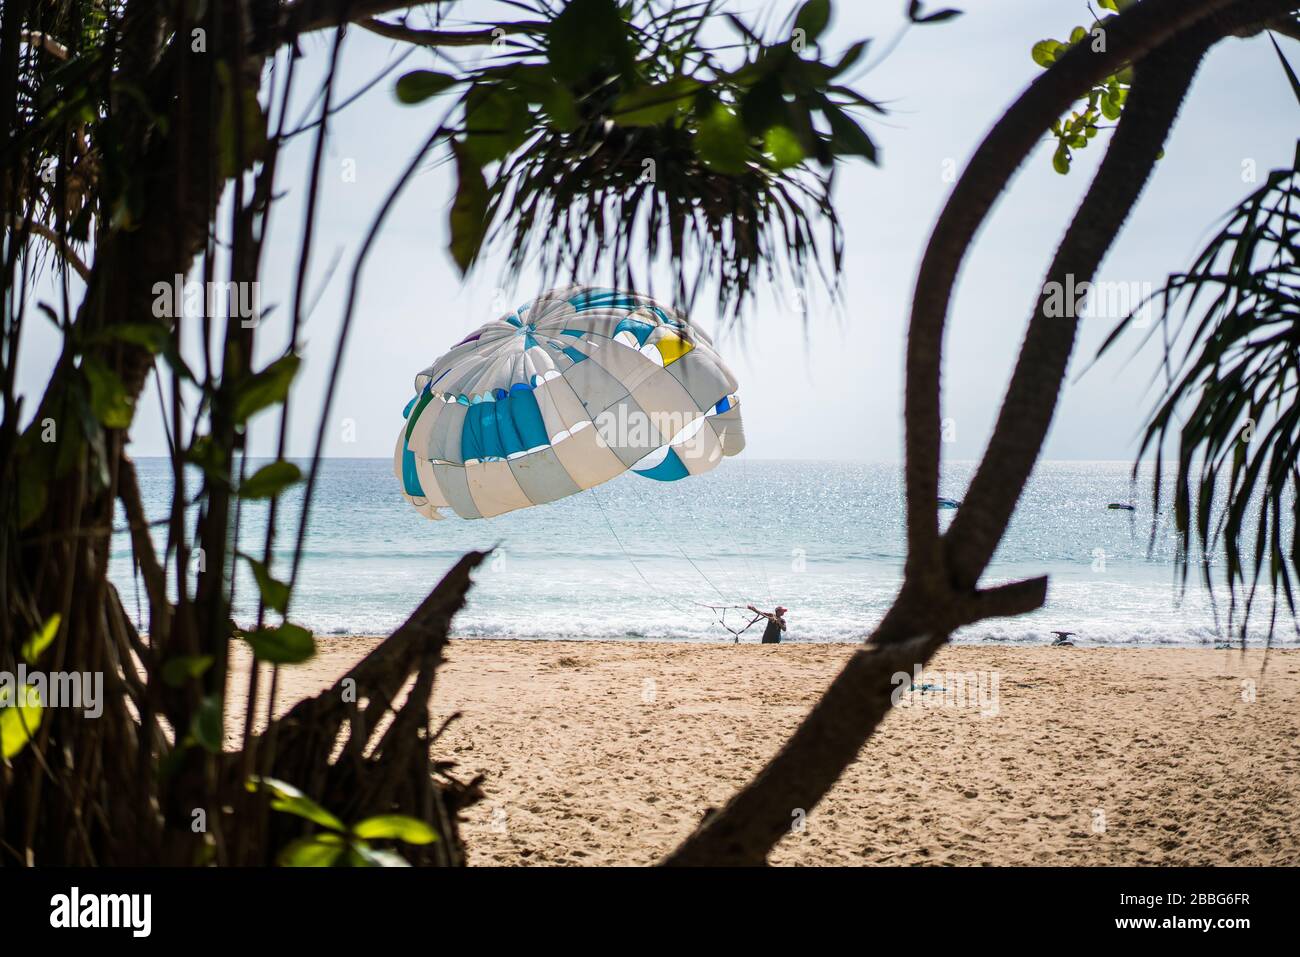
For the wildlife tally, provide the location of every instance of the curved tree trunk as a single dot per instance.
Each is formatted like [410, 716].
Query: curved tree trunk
[1135, 32]
[1031, 397]
[110, 790]
[938, 597]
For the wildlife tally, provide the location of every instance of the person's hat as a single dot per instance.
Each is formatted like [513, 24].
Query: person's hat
[780, 610]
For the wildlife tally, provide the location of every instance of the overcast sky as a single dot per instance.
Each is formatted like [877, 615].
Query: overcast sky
[836, 393]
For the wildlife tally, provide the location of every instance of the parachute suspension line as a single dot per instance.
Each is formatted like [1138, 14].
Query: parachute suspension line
[610, 525]
[743, 577]
[743, 570]
[744, 477]
[719, 610]
[704, 576]
[750, 579]
[626, 553]
[747, 586]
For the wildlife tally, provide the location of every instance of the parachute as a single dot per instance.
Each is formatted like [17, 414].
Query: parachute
[566, 392]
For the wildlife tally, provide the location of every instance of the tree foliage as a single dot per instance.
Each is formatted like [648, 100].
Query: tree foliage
[1105, 101]
[1231, 404]
[141, 141]
[603, 127]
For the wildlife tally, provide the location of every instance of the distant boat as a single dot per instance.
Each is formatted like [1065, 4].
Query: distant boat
[1122, 506]
[948, 502]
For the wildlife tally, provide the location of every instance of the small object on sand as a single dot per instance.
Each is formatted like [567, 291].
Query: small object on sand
[1063, 639]
[1121, 506]
[948, 502]
[926, 687]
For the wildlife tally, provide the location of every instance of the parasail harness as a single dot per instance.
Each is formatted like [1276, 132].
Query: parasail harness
[721, 611]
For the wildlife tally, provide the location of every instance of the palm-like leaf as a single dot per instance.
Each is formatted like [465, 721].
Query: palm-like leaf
[610, 133]
[1232, 337]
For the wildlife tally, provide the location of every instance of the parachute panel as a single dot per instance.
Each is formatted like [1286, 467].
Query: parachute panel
[564, 393]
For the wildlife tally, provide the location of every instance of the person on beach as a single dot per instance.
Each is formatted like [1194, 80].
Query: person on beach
[775, 624]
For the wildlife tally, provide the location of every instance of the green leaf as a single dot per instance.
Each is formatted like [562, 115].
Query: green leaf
[497, 120]
[914, 14]
[419, 85]
[363, 855]
[147, 335]
[108, 399]
[176, 671]
[721, 141]
[1286, 67]
[847, 138]
[1046, 52]
[316, 850]
[851, 56]
[285, 644]
[207, 455]
[40, 640]
[249, 115]
[397, 827]
[589, 37]
[265, 388]
[560, 107]
[763, 104]
[208, 729]
[1109, 108]
[468, 216]
[1061, 159]
[19, 719]
[287, 798]
[651, 105]
[781, 144]
[812, 18]
[32, 498]
[270, 480]
[275, 593]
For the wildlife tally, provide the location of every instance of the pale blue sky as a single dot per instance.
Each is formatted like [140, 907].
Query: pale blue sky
[838, 393]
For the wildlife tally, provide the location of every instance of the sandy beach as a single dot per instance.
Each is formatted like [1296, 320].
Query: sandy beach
[609, 752]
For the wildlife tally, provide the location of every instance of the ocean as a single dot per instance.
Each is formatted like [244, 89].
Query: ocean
[637, 559]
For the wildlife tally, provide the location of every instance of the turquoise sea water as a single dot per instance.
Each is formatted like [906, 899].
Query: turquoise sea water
[822, 538]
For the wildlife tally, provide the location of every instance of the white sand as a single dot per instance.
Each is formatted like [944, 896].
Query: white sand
[609, 752]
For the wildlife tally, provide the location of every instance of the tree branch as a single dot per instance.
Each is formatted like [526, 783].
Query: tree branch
[380, 675]
[1131, 35]
[308, 16]
[449, 38]
[828, 740]
[58, 242]
[832, 734]
[1160, 84]
[155, 579]
[1007, 601]
[46, 42]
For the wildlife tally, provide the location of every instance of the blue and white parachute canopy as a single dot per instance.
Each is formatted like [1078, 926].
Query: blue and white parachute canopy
[562, 394]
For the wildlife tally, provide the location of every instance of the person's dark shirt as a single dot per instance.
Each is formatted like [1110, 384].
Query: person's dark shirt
[772, 633]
